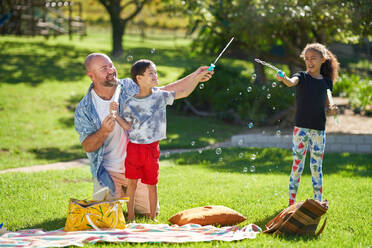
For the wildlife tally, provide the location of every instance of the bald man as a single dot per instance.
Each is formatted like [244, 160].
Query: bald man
[103, 140]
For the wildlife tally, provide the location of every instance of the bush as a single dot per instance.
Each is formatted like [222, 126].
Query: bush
[357, 90]
[231, 92]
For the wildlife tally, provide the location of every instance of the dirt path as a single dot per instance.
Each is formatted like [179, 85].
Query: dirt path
[85, 162]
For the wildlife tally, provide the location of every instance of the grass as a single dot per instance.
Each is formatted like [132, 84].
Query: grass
[43, 80]
[192, 179]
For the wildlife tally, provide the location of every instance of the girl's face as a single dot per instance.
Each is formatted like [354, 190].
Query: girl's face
[313, 61]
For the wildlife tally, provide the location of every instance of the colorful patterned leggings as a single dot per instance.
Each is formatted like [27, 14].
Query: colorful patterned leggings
[302, 137]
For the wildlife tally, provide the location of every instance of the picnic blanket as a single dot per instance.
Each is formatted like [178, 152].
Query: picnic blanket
[135, 232]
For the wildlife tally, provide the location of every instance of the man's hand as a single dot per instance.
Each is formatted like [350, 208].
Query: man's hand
[204, 74]
[108, 124]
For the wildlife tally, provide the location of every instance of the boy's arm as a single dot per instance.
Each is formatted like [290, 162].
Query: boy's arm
[186, 85]
[123, 123]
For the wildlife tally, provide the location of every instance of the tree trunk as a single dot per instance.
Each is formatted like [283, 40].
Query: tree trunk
[260, 73]
[118, 27]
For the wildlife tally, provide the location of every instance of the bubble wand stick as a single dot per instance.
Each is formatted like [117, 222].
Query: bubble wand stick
[211, 67]
[330, 99]
[116, 98]
[280, 72]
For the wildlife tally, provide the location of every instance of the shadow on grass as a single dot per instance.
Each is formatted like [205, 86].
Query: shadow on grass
[35, 62]
[71, 104]
[49, 225]
[273, 160]
[53, 153]
[38, 62]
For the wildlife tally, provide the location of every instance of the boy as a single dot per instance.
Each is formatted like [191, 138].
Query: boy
[144, 115]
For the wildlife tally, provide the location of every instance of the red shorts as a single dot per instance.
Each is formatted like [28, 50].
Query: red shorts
[142, 162]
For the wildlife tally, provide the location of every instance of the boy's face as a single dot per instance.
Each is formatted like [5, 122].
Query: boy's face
[149, 78]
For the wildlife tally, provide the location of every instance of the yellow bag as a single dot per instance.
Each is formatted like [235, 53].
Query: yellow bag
[91, 214]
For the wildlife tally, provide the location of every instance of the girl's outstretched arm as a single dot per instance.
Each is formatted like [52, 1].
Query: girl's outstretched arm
[290, 82]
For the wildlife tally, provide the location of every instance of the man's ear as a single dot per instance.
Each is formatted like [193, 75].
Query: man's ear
[90, 75]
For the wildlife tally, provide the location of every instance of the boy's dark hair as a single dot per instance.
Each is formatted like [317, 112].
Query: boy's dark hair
[139, 67]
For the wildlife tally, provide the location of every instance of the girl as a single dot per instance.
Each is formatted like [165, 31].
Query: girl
[311, 99]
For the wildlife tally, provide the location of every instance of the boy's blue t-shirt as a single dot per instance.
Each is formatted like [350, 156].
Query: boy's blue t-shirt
[148, 116]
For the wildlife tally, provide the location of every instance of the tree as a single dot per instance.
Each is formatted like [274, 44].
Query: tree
[115, 8]
[276, 31]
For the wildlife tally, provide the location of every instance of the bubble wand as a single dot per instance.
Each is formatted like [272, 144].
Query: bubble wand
[280, 72]
[330, 99]
[211, 67]
[116, 98]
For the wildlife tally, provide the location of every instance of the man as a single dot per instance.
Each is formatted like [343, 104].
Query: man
[102, 138]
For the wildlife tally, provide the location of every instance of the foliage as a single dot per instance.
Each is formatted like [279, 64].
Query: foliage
[205, 179]
[276, 30]
[232, 92]
[358, 90]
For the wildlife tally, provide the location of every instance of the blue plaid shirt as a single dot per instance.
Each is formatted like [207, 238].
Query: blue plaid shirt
[87, 122]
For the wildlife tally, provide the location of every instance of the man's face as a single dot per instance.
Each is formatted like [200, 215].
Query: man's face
[149, 78]
[103, 72]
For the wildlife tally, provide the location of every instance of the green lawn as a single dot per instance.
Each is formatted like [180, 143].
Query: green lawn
[39, 200]
[42, 81]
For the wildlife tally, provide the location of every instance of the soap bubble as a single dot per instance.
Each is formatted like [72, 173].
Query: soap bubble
[241, 155]
[252, 168]
[278, 132]
[245, 169]
[250, 125]
[254, 76]
[192, 143]
[253, 157]
[268, 96]
[201, 86]
[273, 84]
[130, 58]
[218, 151]
[240, 142]
[153, 50]
[249, 89]
[167, 154]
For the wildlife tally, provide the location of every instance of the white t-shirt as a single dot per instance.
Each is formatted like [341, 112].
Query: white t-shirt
[116, 142]
[148, 116]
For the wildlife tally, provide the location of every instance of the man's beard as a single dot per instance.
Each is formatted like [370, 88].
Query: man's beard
[110, 82]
